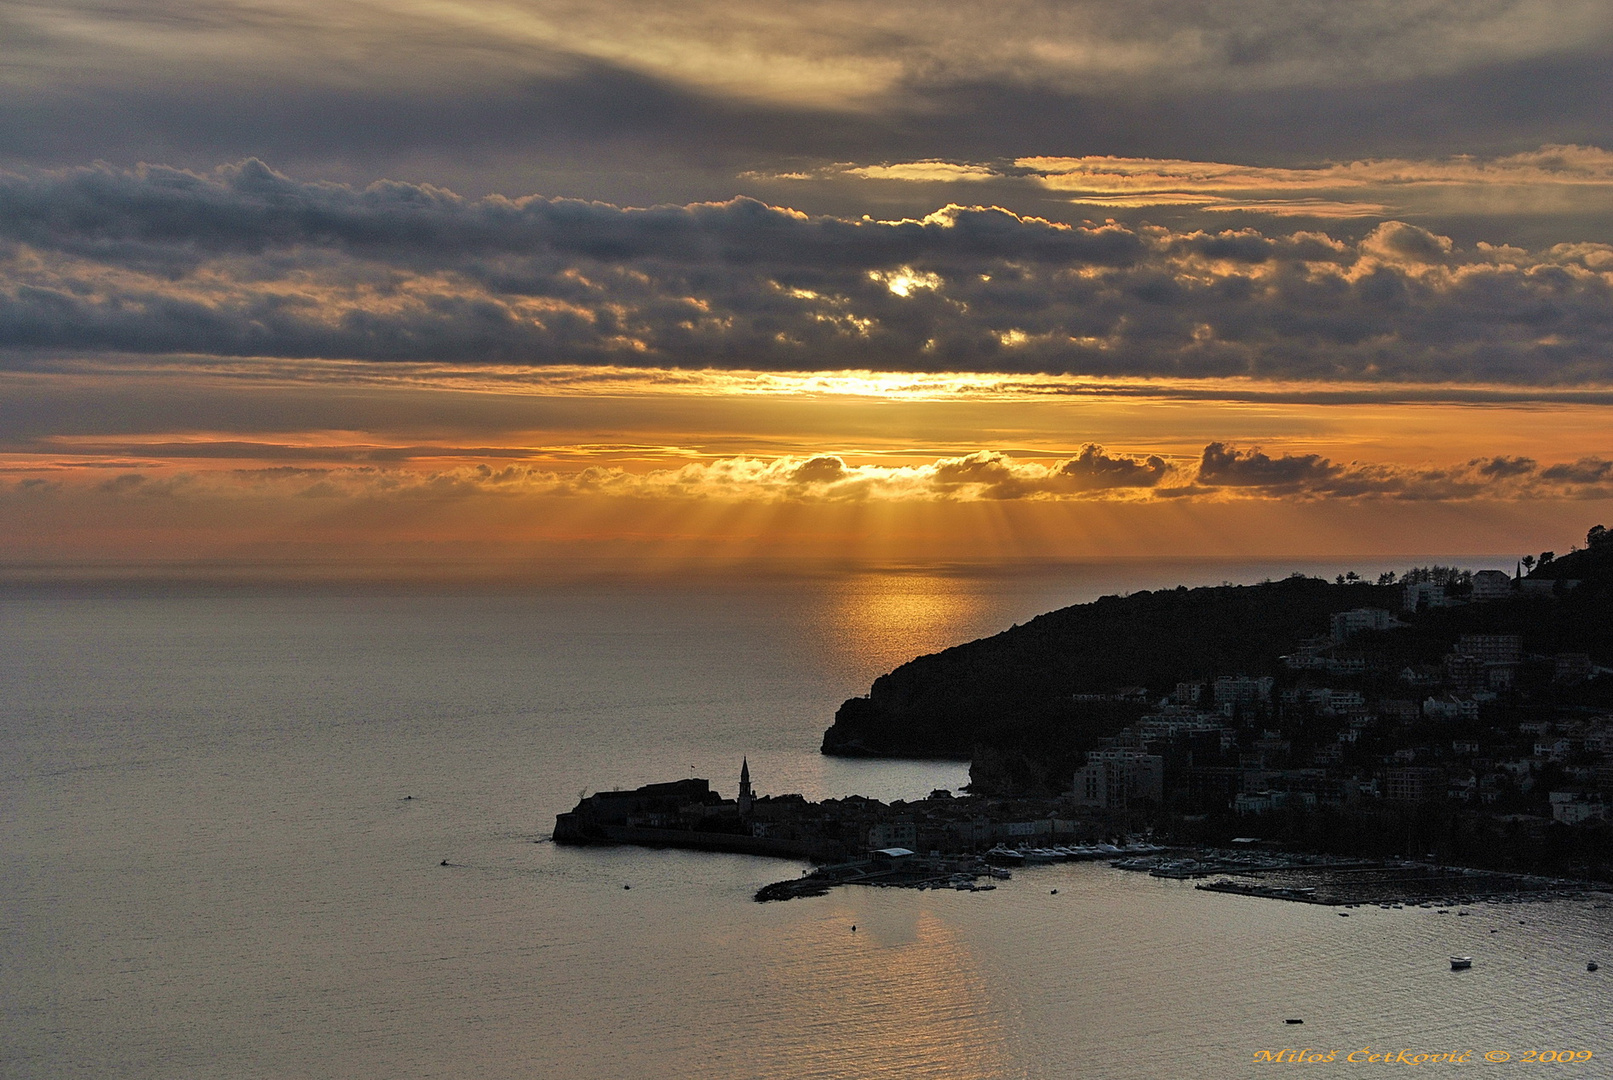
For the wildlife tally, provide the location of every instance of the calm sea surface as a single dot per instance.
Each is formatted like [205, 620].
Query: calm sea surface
[210, 868]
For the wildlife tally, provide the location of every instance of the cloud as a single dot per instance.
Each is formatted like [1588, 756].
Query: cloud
[1093, 470]
[981, 476]
[643, 103]
[1500, 467]
[1224, 466]
[247, 262]
[846, 52]
[1222, 473]
[1396, 241]
[1588, 471]
[1552, 179]
[827, 469]
[984, 474]
[1253, 473]
[925, 171]
[1567, 165]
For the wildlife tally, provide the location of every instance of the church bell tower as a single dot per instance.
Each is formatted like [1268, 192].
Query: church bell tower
[745, 795]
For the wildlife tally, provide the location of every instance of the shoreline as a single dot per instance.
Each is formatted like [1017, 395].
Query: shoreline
[1384, 885]
[856, 840]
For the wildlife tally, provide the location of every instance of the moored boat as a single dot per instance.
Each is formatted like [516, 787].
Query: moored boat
[1005, 856]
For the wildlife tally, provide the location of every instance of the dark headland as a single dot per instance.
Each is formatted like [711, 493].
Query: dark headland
[1442, 716]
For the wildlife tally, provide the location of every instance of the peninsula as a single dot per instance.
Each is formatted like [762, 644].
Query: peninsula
[1442, 716]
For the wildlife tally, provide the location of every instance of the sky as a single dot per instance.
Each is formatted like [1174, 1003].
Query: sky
[530, 288]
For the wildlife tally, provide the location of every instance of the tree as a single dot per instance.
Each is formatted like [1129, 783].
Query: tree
[1546, 557]
[1528, 563]
[1597, 535]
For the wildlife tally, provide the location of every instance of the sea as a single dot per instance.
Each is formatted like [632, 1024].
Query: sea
[225, 810]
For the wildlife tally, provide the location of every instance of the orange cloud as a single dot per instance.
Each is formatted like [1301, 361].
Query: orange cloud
[1554, 178]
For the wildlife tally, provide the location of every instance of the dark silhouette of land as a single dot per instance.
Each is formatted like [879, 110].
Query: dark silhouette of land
[1447, 718]
[1469, 716]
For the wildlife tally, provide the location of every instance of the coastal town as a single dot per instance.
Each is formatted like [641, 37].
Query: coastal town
[1465, 720]
[941, 842]
[1349, 723]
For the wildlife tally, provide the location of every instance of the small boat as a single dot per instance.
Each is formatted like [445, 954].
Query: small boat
[1461, 963]
[1592, 966]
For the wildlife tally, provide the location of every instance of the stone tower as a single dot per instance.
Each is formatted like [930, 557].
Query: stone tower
[745, 795]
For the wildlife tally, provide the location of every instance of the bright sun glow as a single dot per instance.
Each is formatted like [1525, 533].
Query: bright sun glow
[578, 380]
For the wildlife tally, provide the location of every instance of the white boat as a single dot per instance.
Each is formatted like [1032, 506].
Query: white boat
[1461, 963]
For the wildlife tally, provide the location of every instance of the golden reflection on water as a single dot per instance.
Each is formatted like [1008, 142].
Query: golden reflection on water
[877, 621]
[903, 996]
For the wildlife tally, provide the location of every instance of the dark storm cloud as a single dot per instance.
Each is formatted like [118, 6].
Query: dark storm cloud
[245, 261]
